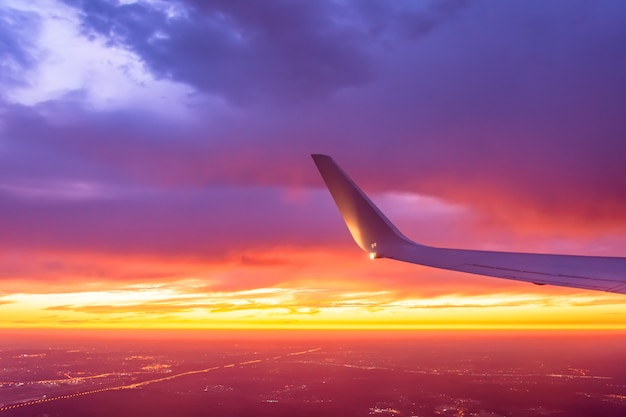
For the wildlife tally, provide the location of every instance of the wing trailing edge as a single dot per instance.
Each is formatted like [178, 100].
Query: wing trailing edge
[375, 234]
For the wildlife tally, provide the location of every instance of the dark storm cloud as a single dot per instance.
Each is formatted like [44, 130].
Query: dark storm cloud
[273, 51]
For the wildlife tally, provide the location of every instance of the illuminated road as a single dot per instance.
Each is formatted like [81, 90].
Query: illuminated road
[76, 379]
[461, 372]
[144, 383]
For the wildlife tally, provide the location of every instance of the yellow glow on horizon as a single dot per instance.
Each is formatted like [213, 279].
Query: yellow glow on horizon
[180, 307]
[296, 290]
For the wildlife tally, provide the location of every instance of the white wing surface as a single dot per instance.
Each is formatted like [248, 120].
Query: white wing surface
[375, 234]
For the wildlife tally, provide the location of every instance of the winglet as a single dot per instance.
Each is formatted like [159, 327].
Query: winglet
[375, 234]
[369, 227]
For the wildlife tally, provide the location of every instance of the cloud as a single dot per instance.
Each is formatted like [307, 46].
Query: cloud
[273, 52]
[524, 127]
[240, 51]
[16, 44]
[311, 302]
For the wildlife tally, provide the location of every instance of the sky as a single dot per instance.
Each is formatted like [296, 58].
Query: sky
[155, 166]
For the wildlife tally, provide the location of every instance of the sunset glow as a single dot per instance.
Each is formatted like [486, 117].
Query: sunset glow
[155, 169]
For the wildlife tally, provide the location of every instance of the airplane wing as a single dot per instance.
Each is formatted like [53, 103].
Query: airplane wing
[375, 234]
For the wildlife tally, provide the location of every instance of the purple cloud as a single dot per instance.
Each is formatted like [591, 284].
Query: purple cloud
[16, 43]
[513, 109]
[275, 51]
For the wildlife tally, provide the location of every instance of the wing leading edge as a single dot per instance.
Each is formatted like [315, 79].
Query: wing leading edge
[375, 234]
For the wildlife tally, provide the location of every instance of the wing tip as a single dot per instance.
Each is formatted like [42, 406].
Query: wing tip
[319, 157]
[369, 227]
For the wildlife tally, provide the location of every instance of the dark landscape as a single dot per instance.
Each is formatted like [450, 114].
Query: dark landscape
[313, 374]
